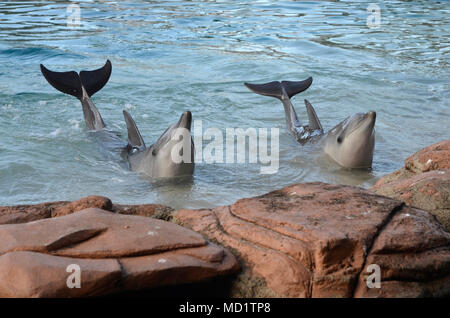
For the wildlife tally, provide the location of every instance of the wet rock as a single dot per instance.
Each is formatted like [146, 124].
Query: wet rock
[413, 254]
[316, 240]
[157, 211]
[92, 201]
[114, 253]
[27, 213]
[423, 182]
[434, 157]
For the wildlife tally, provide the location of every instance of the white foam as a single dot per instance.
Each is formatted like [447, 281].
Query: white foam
[75, 124]
[56, 132]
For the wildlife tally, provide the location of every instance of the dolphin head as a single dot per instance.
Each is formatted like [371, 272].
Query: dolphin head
[351, 142]
[173, 153]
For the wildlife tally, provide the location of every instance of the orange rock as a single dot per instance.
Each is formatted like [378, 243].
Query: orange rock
[423, 182]
[434, 157]
[92, 201]
[315, 240]
[114, 252]
[31, 274]
[27, 213]
[413, 253]
[158, 211]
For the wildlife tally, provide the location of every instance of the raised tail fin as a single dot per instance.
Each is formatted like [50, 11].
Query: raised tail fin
[93, 81]
[66, 82]
[278, 90]
[134, 136]
[314, 122]
[71, 83]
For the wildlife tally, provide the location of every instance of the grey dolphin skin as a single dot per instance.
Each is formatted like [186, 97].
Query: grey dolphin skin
[350, 143]
[173, 153]
[82, 86]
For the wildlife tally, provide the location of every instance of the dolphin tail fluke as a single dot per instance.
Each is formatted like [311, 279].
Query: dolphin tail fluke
[66, 82]
[71, 83]
[314, 122]
[278, 90]
[93, 81]
[134, 136]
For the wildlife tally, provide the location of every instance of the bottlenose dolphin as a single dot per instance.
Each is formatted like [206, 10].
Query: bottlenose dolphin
[350, 143]
[171, 156]
[82, 86]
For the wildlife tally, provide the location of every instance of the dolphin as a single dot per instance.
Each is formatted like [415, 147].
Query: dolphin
[350, 143]
[82, 86]
[172, 155]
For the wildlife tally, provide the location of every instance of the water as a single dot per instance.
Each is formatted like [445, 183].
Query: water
[171, 56]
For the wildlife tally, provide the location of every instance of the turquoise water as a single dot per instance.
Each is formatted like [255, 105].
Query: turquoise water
[169, 56]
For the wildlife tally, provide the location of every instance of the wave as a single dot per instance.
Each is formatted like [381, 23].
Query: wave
[36, 54]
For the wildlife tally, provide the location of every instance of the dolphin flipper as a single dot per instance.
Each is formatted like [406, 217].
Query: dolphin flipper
[93, 81]
[66, 82]
[314, 122]
[134, 136]
[279, 90]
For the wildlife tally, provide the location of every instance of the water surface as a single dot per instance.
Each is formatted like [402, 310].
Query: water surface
[169, 56]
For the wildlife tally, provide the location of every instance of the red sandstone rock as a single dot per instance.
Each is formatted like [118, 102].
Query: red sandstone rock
[115, 253]
[92, 201]
[158, 211]
[315, 240]
[413, 253]
[27, 213]
[434, 157]
[423, 182]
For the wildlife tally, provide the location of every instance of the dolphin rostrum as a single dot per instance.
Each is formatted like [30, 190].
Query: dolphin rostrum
[350, 143]
[171, 156]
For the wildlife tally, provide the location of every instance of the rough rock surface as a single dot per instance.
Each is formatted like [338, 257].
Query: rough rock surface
[114, 253]
[32, 212]
[28, 213]
[423, 182]
[317, 240]
[434, 157]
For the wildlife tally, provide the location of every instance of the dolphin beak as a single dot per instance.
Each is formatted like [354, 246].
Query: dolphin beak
[371, 116]
[185, 120]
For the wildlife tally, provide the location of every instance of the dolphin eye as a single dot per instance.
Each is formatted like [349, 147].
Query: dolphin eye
[154, 152]
[339, 140]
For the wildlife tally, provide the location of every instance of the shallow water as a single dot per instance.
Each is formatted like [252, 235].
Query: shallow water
[171, 56]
